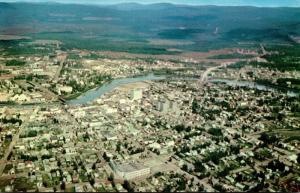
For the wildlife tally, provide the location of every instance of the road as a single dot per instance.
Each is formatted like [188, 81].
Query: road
[224, 64]
[9, 149]
[31, 106]
[15, 139]
[209, 70]
[57, 74]
[46, 92]
[11, 146]
[264, 52]
[162, 164]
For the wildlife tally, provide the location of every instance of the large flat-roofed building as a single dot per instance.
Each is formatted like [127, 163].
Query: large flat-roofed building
[130, 170]
[136, 94]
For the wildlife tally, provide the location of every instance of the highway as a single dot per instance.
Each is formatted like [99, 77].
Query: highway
[224, 64]
[209, 70]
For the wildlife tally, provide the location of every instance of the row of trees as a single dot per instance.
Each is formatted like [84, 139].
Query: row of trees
[15, 63]
[11, 120]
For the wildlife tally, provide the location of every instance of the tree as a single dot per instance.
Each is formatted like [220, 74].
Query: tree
[167, 188]
[92, 181]
[63, 186]
[111, 177]
[199, 166]
[128, 186]
[118, 149]
[219, 187]
[215, 131]
[179, 128]
[105, 157]
[181, 184]
[239, 177]
[15, 63]
[32, 133]
[215, 156]
[184, 167]
[268, 138]
[94, 166]
[224, 172]
[235, 149]
[195, 106]
[275, 164]
[46, 156]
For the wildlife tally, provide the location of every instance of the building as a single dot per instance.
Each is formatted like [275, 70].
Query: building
[136, 94]
[64, 89]
[108, 135]
[166, 106]
[62, 57]
[131, 170]
[79, 114]
[21, 98]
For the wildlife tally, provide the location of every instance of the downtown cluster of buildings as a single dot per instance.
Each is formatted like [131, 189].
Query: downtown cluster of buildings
[208, 139]
[177, 134]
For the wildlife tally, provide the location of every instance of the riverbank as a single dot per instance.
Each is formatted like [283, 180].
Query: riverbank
[258, 86]
[93, 94]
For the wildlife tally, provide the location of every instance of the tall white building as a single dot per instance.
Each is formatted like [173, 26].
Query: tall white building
[136, 94]
[166, 106]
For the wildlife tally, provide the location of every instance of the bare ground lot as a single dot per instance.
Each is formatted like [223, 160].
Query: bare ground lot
[199, 56]
[136, 85]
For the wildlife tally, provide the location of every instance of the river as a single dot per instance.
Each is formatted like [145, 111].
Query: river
[94, 94]
[254, 85]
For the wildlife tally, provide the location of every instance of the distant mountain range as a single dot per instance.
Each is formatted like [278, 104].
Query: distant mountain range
[144, 26]
[259, 3]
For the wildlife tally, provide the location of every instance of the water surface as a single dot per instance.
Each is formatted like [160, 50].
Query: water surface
[94, 94]
[254, 85]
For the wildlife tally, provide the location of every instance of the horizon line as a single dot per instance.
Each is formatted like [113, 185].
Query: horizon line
[141, 3]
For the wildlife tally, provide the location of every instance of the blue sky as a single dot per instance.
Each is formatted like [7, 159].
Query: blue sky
[260, 3]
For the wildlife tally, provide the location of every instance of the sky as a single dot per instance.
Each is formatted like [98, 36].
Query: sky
[259, 3]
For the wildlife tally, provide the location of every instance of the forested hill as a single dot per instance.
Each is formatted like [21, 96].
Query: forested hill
[192, 27]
